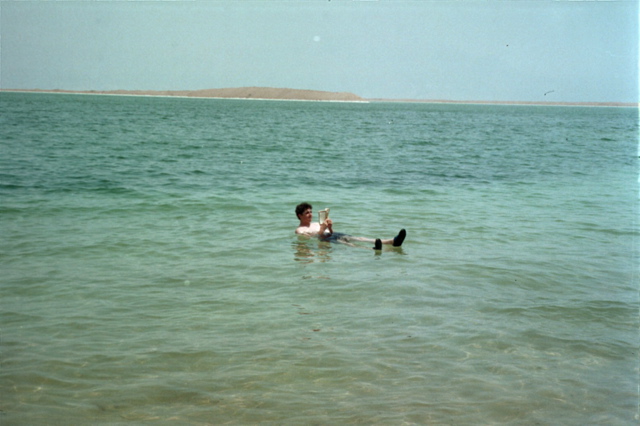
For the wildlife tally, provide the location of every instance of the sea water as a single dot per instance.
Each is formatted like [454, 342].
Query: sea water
[150, 272]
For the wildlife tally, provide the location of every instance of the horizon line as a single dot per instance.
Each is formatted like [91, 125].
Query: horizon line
[358, 99]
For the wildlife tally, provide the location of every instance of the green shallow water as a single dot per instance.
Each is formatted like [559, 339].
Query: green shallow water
[151, 272]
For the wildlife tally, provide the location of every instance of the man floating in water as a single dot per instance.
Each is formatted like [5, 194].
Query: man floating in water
[324, 230]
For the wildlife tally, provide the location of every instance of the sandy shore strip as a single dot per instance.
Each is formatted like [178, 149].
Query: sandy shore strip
[270, 93]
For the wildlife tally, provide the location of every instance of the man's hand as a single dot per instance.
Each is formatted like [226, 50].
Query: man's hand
[329, 225]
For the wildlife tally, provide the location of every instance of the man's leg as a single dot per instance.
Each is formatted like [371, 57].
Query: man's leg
[395, 241]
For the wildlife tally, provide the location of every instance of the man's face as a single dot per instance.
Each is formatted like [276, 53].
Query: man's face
[306, 216]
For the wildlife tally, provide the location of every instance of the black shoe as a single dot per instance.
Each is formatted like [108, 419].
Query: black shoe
[399, 239]
[378, 245]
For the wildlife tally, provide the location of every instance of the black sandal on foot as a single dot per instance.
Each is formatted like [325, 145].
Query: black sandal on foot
[399, 239]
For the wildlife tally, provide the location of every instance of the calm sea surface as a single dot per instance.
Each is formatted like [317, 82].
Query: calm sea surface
[150, 272]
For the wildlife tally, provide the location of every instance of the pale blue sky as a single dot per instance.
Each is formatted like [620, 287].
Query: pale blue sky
[460, 50]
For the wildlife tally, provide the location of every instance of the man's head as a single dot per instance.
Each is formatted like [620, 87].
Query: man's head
[301, 208]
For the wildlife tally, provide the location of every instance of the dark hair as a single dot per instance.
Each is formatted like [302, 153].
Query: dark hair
[301, 208]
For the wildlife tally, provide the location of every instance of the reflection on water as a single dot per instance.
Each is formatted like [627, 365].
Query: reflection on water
[311, 250]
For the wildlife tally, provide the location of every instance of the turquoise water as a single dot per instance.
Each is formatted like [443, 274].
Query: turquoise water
[150, 272]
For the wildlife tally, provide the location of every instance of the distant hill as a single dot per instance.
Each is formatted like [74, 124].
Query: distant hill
[237, 93]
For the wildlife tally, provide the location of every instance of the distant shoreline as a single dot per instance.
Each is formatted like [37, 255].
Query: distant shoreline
[254, 93]
[267, 93]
